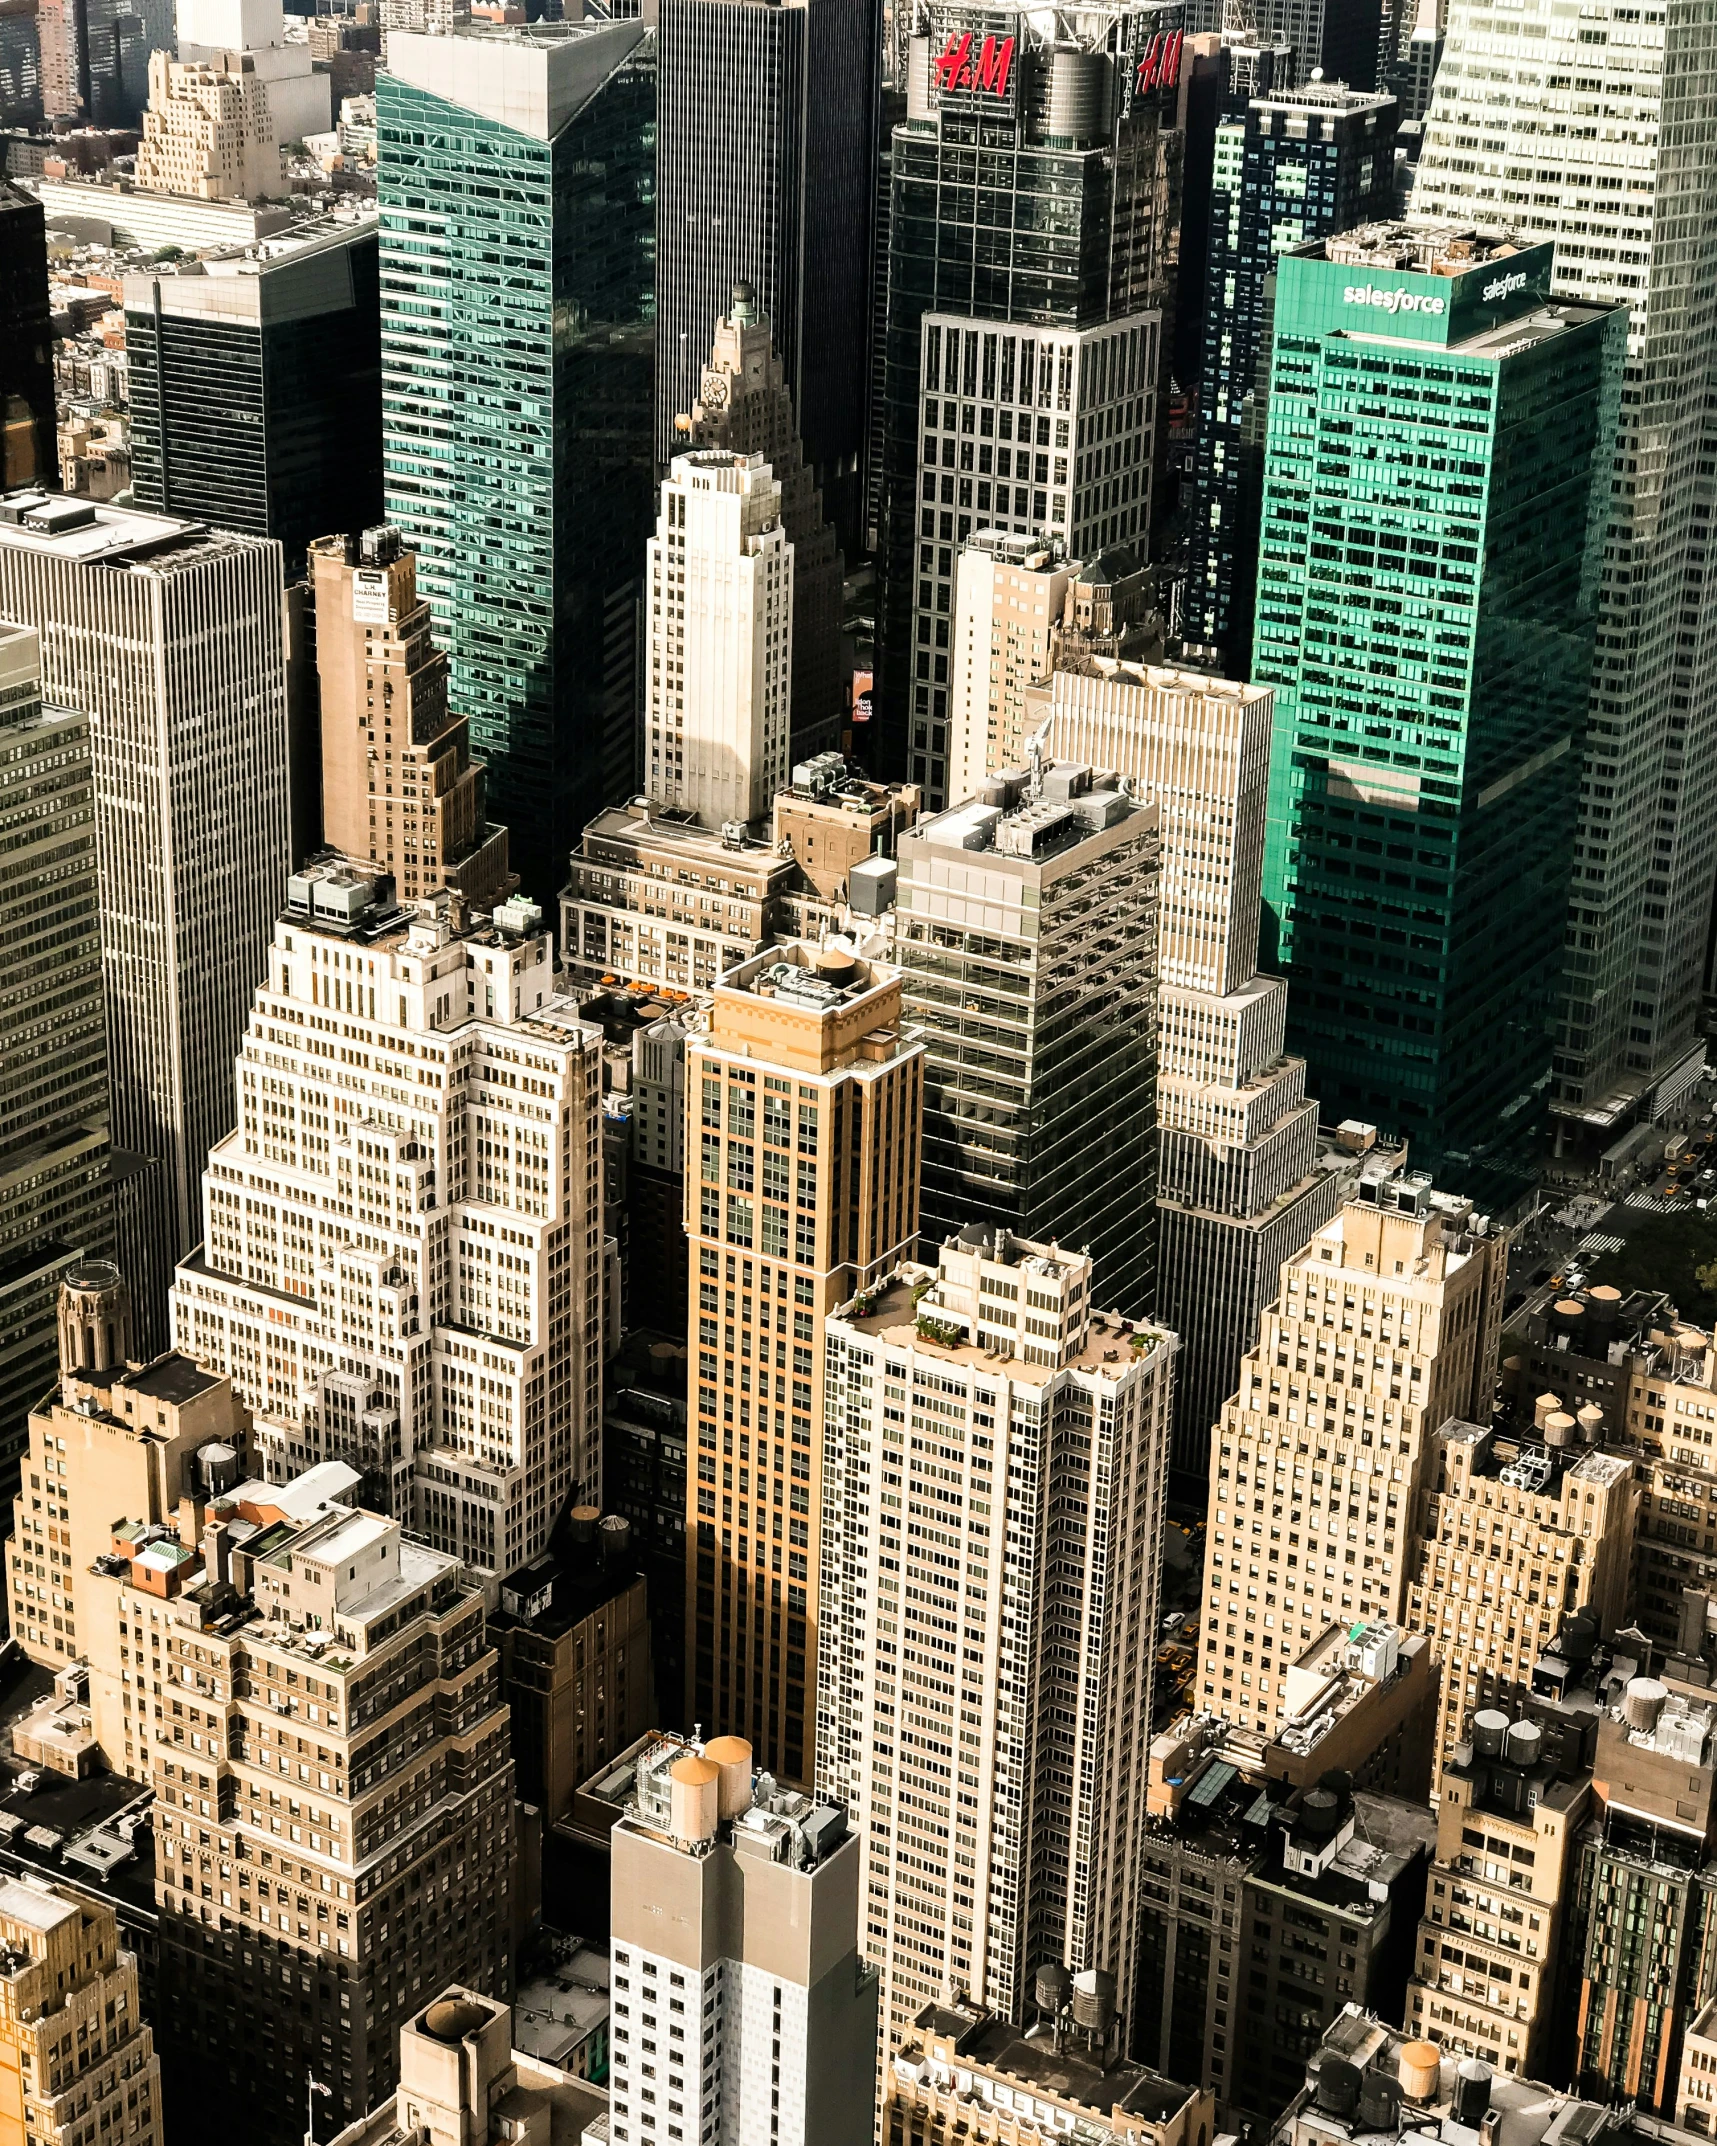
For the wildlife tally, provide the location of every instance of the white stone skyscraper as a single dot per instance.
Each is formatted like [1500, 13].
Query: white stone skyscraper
[719, 595]
[168, 634]
[993, 1474]
[402, 1258]
[1597, 128]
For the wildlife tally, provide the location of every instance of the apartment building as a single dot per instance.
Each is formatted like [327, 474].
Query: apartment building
[805, 1100]
[402, 1257]
[992, 1523]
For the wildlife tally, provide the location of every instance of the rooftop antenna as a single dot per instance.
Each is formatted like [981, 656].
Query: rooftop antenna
[1034, 755]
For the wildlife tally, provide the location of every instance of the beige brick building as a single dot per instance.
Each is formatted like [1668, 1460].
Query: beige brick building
[208, 131]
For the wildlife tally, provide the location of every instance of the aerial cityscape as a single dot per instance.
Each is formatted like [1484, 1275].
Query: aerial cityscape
[858, 1072]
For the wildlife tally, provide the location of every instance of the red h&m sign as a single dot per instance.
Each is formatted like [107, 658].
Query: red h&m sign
[1160, 67]
[956, 69]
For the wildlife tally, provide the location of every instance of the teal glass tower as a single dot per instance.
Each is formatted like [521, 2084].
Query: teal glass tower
[516, 178]
[1435, 486]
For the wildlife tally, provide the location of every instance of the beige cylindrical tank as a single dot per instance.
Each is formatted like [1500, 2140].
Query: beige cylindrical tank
[1559, 1429]
[732, 1754]
[1591, 1422]
[1643, 1700]
[1546, 1406]
[918, 78]
[693, 1798]
[1419, 2068]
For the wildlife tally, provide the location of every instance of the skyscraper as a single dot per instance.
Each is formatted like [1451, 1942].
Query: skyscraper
[744, 404]
[993, 1475]
[516, 173]
[1241, 1184]
[56, 1179]
[444, 1338]
[1290, 167]
[27, 451]
[805, 1100]
[719, 600]
[1386, 1325]
[190, 756]
[209, 132]
[1026, 932]
[1022, 351]
[764, 170]
[744, 2008]
[1009, 595]
[385, 719]
[1427, 628]
[1621, 190]
[255, 387]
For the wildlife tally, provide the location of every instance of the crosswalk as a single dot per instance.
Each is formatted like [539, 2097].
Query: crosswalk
[1654, 1203]
[1600, 1241]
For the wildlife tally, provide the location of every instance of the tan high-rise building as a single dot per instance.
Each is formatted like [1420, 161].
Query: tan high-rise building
[399, 785]
[1009, 593]
[746, 406]
[209, 130]
[1511, 1536]
[72, 2035]
[804, 1108]
[718, 590]
[1386, 1325]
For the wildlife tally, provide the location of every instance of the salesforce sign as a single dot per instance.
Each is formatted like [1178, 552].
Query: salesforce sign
[1391, 298]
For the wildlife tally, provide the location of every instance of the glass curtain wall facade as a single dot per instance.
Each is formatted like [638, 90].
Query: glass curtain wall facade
[1285, 169]
[518, 328]
[1432, 526]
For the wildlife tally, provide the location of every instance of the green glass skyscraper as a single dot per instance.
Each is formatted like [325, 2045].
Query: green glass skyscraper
[516, 178]
[1436, 477]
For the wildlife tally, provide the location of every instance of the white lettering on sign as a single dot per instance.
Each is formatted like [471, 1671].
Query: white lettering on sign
[1391, 301]
[1504, 286]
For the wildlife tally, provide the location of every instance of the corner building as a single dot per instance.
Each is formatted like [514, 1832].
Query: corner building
[804, 1103]
[1432, 527]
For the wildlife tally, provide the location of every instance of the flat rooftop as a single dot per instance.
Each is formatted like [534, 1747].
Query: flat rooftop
[1424, 249]
[97, 533]
[890, 1317]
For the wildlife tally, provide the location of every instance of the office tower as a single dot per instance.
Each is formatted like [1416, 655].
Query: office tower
[382, 690]
[993, 337]
[1338, 39]
[805, 1097]
[1009, 593]
[27, 451]
[1292, 166]
[764, 177]
[208, 131]
[1628, 232]
[1485, 1979]
[1491, 1592]
[1267, 1905]
[656, 900]
[1641, 1905]
[1399, 865]
[573, 1636]
[72, 2032]
[445, 1337]
[745, 405]
[297, 99]
[1243, 1180]
[1386, 1325]
[190, 755]
[965, 2073]
[719, 596]
[459, 2075]
[1016, 1557]
[525, 484]
[739, 1990]
[255, 387]
[1412, 72]
[1026, 933]
[95, 57]
[349, 52]
[56, 1173]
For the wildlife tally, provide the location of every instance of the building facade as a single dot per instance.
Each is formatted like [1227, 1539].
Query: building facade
[719, 598]
[995, 1621]
[27, 453]
[444, 1337]
[805, 1097]
[1398, 863]
[525, 156]
[1026, 932]
[382, 693]
[255, 387]
[743, 2008]
[189, 743]
[1627, 229]
[209, 131]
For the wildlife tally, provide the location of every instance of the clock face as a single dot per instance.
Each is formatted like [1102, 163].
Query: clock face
[715, 390]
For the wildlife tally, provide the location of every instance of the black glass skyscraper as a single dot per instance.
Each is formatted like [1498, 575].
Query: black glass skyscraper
[766, 152]
[256, 397]
[27, 454]
[1297, 165]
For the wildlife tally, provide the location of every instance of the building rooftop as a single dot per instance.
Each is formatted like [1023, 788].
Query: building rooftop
[1424, 248]
[617, 834]
[1529, 1463]
[890, 1316]
[97, 533]
[1024, 816]
[673, 1798]
[987, 2052]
